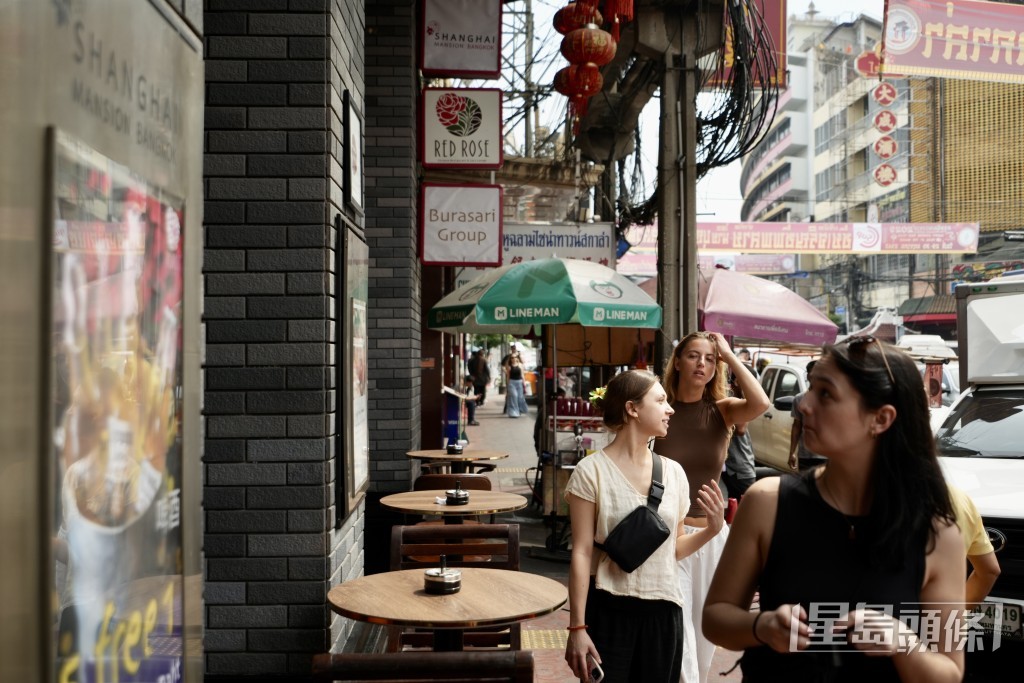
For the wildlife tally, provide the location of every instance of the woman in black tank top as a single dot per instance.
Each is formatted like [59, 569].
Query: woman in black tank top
[859, 566]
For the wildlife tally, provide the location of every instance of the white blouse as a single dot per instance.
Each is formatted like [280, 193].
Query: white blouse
[599, 480]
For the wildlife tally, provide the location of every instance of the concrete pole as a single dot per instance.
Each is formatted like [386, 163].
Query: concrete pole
[528, 77]
[688, 186]
[669, 212]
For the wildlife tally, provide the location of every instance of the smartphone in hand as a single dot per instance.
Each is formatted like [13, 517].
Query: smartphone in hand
[596, 673]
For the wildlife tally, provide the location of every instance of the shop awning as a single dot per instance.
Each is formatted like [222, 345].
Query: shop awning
[940, 308]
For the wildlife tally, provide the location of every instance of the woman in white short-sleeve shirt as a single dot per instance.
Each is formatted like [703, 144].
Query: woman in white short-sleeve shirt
[630, 623]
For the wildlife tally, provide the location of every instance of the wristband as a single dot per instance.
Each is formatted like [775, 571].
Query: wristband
[753, 628]
[581, 627]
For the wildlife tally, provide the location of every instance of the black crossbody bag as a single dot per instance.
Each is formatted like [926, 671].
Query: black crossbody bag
[642, 531]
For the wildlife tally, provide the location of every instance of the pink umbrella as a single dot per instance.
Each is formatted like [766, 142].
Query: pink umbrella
[741, 305]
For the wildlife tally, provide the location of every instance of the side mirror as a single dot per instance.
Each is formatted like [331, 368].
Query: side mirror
[945, 388]
[784, 403]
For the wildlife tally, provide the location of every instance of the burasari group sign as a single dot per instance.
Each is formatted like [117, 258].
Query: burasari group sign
[461, 38]
[460, 225]
[461, 128]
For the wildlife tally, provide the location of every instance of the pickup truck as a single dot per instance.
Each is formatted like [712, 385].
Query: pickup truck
[980, 442]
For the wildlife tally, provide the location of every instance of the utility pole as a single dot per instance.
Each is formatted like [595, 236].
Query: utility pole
[677, 185]
[529, 85]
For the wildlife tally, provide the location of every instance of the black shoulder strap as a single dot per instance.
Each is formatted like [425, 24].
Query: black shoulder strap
[657, 487]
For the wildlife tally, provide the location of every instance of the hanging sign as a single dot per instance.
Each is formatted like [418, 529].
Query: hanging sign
[885, 121]
[886, 147]
[867, 64]
[884, 93]
[461, 38]
[461, 128]
[460, 225]
[964, 39]
[885, 175]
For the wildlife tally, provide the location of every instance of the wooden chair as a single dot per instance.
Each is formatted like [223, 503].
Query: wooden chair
[481, 545]
[443, 482]
[438, 667]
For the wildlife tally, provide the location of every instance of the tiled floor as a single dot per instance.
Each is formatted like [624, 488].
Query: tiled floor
[546, 635]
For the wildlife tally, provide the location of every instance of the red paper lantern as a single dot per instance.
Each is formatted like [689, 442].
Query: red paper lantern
[618, 12]
[576, 15]
[578, 82]
[588, 45]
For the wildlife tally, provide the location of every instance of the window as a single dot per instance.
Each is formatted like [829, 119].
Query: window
[788, 385]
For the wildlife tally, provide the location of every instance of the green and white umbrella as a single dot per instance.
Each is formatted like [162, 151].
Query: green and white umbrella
[545, 292]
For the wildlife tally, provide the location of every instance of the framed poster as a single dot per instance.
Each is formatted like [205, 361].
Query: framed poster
[116, 405]
[353, 440]
[461, 38]
[461, 128]
[353, 163]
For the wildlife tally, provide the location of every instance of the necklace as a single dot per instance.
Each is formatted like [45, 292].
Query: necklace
[852, 533]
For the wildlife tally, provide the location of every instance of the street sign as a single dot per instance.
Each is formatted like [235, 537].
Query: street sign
[840, 310]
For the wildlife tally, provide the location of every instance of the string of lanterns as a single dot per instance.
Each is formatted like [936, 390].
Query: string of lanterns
[587, 47]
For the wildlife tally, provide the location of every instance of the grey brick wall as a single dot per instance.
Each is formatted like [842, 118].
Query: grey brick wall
[271, 542]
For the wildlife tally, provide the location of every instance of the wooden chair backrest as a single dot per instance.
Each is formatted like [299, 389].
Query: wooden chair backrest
[438, 667]
[443, 482]
[481, 545]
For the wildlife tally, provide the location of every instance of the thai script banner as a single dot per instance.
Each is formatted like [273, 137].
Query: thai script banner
[461, 38]
[839, 238]
[967, 39]
[642, 258]
[531, 241]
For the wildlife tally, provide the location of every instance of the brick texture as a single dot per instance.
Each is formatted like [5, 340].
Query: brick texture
[273, 547]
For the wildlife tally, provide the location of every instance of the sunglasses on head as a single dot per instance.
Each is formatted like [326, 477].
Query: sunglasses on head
[858, 344]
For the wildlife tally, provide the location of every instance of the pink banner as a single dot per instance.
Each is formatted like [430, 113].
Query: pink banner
[754, 264]
[967, 39]
[839, 238]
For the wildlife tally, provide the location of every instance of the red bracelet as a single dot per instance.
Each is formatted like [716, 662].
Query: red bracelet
[581, 627]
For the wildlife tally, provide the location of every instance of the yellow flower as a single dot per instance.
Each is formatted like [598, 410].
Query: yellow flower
[597, 395]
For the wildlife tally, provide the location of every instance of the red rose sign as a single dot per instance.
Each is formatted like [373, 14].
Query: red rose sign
[461, 128]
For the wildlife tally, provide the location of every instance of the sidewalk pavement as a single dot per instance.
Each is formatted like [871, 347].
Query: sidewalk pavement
[546, 635]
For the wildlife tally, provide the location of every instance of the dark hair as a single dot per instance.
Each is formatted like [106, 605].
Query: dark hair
[716, 388]
[631, 385]
[909, 491]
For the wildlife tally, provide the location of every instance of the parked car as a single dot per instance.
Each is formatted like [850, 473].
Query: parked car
[770, 432]
[981, 448]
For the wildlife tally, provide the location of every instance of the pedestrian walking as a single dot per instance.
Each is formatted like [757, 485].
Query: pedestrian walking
[631, 623]
[515, 394]
[698, 439]
[837, 552]
[980, 553]
[740, 471]
[480, 371]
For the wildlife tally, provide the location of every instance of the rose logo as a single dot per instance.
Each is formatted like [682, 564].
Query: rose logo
[460, 115]
[433, 28]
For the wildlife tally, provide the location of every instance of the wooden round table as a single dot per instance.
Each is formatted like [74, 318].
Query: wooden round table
[489, 597]
[480, 503]
[459, 462]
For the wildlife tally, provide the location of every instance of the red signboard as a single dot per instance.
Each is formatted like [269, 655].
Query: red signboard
[885, 175]
[885, 94]
[885, 147]
[839, 238]
[885, 121]
[774, 14]
[867, 64]
[966, 39]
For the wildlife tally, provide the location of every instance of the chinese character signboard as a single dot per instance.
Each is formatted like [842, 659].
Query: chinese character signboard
[884, 93]
[116, 406]
[839, 238]
[460, 225]
[885, 147]
[867, 64]
[965, 39]
[773, 12]
[461, 128]
[461, 38]
[885, 121]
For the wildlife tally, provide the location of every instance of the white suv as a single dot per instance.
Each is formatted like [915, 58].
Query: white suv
[770, 431]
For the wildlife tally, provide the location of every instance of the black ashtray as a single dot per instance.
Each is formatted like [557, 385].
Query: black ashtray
[456, 496]
[442, 580]
[454, 449]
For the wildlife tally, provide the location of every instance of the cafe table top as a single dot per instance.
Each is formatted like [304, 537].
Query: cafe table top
[488, 597]
[480, 503]
[443, 454]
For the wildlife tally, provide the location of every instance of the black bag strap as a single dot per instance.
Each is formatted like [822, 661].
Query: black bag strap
[657, 487]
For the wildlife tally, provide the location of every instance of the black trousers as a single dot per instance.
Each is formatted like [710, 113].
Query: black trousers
[640, 641]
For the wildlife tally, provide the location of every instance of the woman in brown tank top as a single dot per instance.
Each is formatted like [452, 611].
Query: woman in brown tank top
[698, 439]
